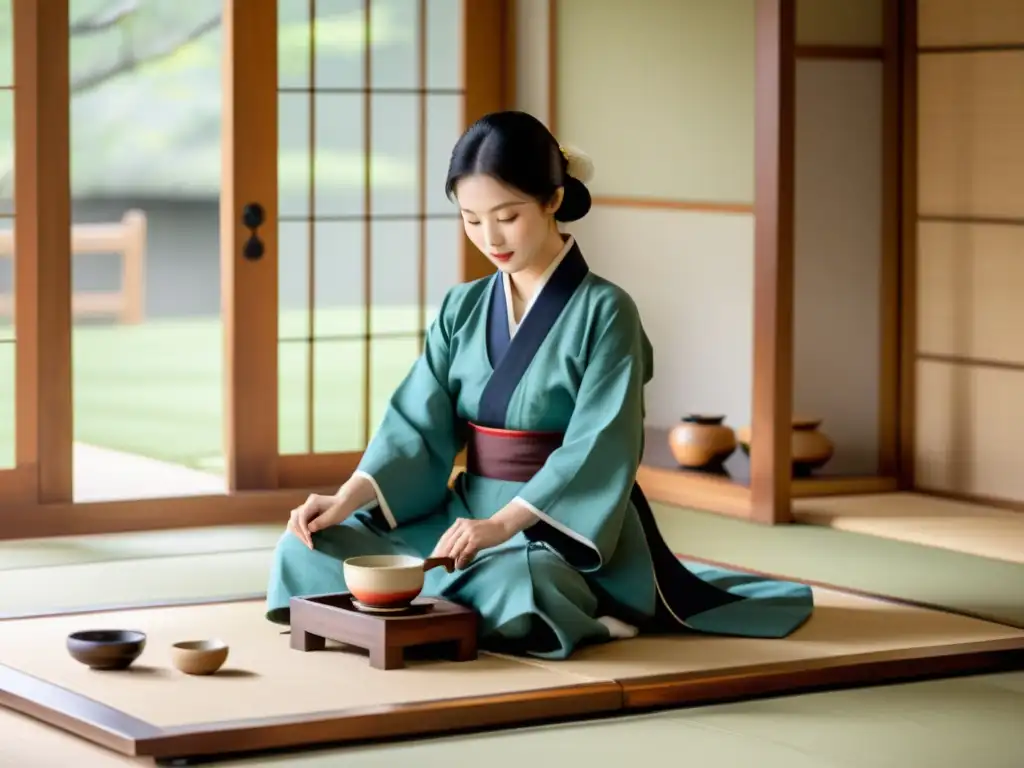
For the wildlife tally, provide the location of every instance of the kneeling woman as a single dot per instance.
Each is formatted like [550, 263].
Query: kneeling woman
[539, 372]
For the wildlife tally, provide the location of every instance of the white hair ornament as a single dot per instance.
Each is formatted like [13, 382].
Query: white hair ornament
[580, 165]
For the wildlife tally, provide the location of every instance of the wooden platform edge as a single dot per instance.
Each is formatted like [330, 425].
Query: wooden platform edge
[120, 732]
[374, 723]
[72, 712]
[809, 675]
[127, 735]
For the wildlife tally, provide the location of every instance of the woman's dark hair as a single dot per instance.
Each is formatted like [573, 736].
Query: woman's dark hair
[516, 148]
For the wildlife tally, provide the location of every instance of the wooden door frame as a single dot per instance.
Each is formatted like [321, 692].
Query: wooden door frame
[42, 288]
[36, 498]
[249, 149]
[774, 219]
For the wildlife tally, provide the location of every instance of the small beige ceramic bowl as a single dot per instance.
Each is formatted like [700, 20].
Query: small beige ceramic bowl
[199, 657]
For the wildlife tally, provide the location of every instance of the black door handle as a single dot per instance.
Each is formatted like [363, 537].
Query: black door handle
[253, 217]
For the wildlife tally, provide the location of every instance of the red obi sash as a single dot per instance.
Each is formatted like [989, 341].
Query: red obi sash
[508, 454]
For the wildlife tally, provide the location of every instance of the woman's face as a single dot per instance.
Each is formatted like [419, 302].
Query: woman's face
[508, 227]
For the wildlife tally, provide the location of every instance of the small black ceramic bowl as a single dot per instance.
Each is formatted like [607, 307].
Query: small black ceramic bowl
[106, 648]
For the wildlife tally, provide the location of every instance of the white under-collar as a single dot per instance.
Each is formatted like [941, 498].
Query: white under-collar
[513, 326]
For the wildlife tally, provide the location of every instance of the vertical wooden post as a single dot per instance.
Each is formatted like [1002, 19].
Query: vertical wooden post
[889, 342]
[770, 480]
[908, 242]
[249, 286]
[42, 240]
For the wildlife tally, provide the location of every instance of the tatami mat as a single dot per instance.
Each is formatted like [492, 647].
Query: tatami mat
[947, 723]
[979, 586]
[926, 520]
[72, 550]
[120, 582]
[265, 678]
[842, 625]
[100, 574]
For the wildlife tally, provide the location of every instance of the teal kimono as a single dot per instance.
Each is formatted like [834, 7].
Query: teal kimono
[594, 567]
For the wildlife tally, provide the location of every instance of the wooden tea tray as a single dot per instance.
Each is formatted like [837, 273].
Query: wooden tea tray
[314, 620]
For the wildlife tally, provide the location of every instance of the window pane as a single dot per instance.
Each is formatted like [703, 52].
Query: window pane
[6, 44]
[339, 164]
[293, 155]
[390, 360]
[293, 259]
[396, 277]
[444, 261]
[394, 55]
[293, 397]
[146, 179]
[337, 396]
[6, 147]
[7, 408]
[338, 374]
[6, 279]
[444, 116]
[395, 150]
[339, 279]
[340, 43]
[444, 43]
[293, 41]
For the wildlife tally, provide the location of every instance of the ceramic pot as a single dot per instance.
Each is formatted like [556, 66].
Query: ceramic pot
[389, 582]
[701, 441]
[199, 657]
[106, 648]
[811, 448]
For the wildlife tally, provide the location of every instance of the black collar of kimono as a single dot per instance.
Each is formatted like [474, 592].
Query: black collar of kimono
[511, 356]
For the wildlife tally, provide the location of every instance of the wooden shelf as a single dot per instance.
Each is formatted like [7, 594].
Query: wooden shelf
[728, 490]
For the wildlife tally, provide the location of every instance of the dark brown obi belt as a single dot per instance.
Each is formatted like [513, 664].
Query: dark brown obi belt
[508, 454]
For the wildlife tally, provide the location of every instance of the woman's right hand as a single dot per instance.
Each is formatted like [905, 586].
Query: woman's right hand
[317, 513]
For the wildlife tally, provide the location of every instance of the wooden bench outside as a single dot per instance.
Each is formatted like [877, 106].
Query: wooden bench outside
[127, 238]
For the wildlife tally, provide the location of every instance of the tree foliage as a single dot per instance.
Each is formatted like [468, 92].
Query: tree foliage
[146, 103]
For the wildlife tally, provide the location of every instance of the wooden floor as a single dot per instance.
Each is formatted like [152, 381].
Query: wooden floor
[920, 519]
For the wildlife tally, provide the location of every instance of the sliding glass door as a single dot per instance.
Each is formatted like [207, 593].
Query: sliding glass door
[231, 236]
[358, 240]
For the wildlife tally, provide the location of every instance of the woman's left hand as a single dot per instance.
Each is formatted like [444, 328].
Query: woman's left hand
[466, 537]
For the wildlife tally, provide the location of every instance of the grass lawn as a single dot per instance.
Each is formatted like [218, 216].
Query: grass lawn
[156, 389]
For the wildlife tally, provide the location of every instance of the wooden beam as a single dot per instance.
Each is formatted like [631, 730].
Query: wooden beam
[770, 486]
[889, 337]
[42, 233]
[908, 242]
[249, 286]
[32, 521]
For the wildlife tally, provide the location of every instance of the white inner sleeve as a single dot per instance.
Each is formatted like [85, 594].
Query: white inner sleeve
[381, 501]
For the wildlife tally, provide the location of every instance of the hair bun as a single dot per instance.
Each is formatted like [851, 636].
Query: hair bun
[576, 201]
[580, 165]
